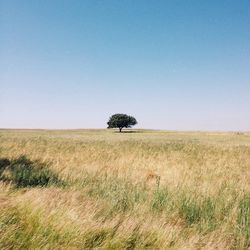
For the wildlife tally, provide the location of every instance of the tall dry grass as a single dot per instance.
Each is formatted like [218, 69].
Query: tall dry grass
[98, 189]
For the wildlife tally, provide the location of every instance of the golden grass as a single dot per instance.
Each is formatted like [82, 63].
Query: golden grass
[142, 190]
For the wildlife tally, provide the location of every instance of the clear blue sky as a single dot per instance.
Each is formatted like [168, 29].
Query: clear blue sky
[180, 64]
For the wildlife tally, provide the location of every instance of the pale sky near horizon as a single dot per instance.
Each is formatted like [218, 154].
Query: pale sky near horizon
[179, 64]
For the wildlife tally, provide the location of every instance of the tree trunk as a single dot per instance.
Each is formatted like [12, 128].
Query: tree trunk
[120, 129]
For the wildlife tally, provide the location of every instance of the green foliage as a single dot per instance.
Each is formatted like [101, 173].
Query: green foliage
[94, 239]
[190, 211]
[121, 121]
[201, 213]
[121, 193]
[159, 200]
[243, 221]
[139, 240]
[4, 162]
[105, 239]
[23, 172]
[21, 227]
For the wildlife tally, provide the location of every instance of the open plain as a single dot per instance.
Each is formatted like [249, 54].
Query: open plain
[141, 189]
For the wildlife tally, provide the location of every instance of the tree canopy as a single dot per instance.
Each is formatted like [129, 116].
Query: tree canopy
[121, 121]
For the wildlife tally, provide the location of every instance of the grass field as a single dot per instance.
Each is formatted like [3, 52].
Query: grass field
[143, 189]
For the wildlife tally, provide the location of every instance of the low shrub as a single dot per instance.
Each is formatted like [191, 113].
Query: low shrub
[23, 172]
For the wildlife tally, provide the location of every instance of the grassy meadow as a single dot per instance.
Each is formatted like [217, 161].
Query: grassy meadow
[141, 189]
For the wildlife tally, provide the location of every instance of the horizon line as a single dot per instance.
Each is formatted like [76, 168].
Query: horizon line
[152, 129]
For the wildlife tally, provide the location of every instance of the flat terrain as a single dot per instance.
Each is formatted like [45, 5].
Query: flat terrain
[142, 189]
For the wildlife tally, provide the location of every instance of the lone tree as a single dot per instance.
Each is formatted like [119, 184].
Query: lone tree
[121, 121]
